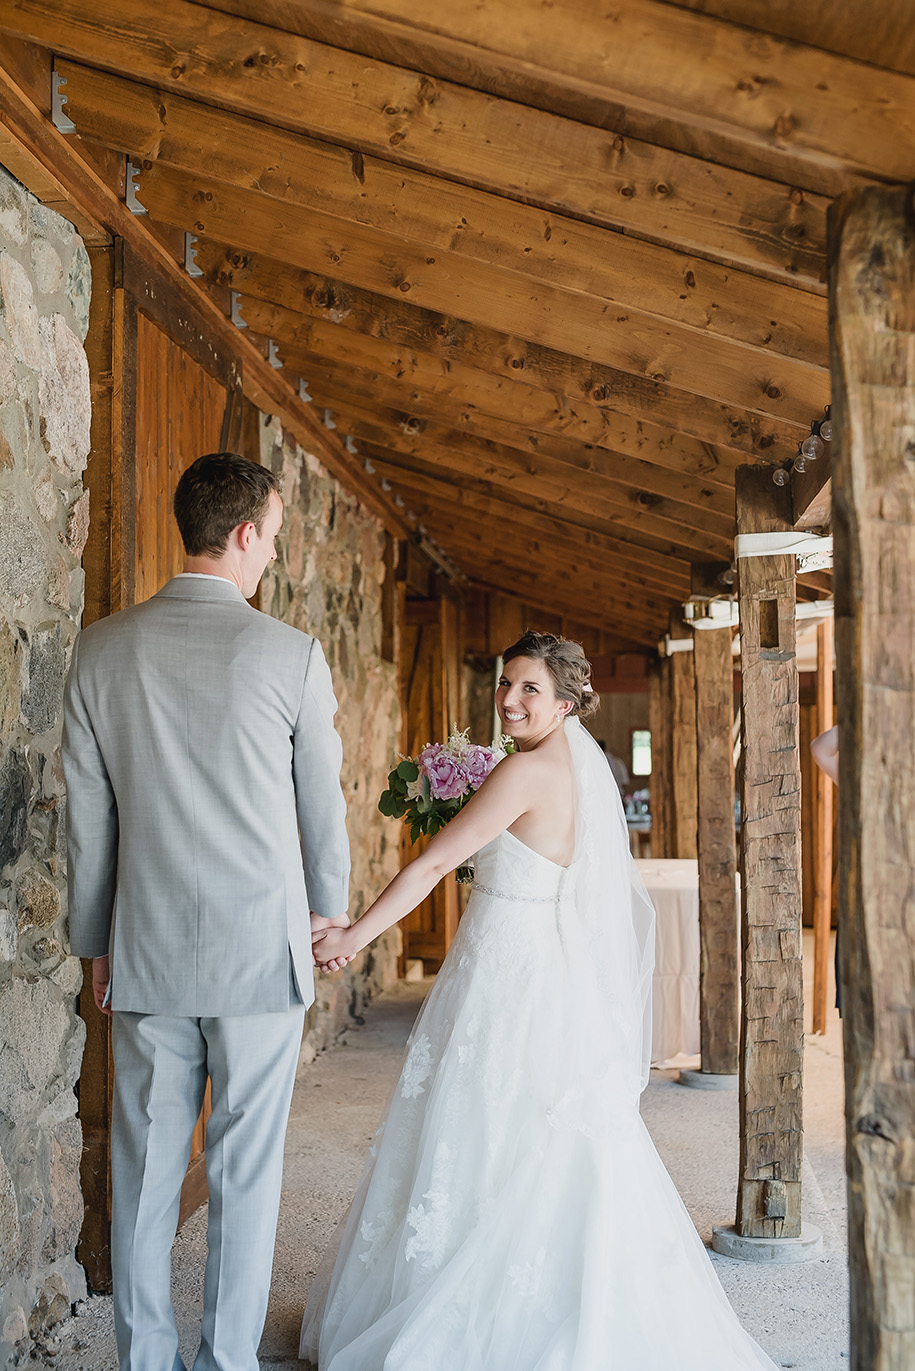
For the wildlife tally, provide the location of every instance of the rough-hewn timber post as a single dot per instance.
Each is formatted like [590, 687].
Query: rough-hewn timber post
[719, 964]
[872, 317]
[772, 1019]
[822, 856]
[683, 730]
[659, 720]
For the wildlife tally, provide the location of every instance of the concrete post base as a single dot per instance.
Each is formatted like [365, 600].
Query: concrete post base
[708, 1080]
[727, 1241]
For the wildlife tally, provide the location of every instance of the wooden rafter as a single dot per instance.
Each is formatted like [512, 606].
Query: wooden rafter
[522, 455]
[657, 413]
[882, 34]
[442, 216]
[384, 110]
[570, 320]
[649, 70]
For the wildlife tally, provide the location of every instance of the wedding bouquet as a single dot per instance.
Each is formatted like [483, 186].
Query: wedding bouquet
[427, 791]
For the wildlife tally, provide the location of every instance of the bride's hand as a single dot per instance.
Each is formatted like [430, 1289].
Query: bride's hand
[334, 949]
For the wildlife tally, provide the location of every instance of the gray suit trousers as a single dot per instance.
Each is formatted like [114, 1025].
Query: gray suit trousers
[161, 1069]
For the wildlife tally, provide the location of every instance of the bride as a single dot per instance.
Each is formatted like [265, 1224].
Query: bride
[514, 1214]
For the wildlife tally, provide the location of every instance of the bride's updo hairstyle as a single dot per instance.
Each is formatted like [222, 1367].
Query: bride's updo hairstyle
[569, 668]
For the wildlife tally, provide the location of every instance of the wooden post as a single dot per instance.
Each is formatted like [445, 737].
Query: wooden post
[659, 722]
[872, 317]
[683, 743]
[719, 964]
[772, 1019]
[822, 857]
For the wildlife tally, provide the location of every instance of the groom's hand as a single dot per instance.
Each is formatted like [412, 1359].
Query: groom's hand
[101, 975]
[319, 931]
[332, 950]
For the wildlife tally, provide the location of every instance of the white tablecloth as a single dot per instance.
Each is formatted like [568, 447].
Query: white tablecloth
[674, 889]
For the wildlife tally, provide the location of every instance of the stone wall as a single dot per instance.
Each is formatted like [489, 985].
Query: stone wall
[327, 580]
[44, 440]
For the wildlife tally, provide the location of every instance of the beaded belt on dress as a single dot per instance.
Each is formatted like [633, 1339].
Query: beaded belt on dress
[525, 899]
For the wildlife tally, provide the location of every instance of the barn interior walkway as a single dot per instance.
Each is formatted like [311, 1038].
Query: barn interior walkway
[797, 1313]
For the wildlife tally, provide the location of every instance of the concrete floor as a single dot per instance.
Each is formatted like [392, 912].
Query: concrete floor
[797, 1313]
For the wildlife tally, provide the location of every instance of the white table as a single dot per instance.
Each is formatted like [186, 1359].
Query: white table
[674, 890]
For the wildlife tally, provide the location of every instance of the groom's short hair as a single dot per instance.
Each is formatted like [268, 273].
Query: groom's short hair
[217, 493]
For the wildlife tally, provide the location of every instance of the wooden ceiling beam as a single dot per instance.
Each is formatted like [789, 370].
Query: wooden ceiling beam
[621, 561]
[548, 463]
[567, 526]
[654, 286]
[473, 137]
[588, 616]
[518, 412]
[566, 591]
[567, 320]
[23, 122]
[638, 415]
[881, 34]
[681, 80]
[480, 457]
[651, 518]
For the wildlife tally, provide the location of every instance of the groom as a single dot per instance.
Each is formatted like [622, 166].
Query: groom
[206, 820]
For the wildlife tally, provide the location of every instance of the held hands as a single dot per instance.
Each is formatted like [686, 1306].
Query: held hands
[331, 942]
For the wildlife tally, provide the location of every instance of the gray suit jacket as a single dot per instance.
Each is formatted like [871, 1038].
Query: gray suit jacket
[205, 815]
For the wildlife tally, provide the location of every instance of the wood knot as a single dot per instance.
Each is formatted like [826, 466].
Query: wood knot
[662, 189]
[397, 138]
[601, 393]
[690, 279]
[358, 164]
[772, 392]
[627, 191]
[517, 364]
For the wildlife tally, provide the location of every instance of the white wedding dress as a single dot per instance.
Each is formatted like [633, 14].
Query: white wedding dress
[514, 1214]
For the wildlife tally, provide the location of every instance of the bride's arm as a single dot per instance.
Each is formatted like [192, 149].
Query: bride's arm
[502, 798]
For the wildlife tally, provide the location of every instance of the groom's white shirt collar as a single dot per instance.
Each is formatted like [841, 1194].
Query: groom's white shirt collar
[207, 587]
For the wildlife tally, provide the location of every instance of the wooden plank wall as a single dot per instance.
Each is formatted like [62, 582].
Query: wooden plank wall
[180, 410]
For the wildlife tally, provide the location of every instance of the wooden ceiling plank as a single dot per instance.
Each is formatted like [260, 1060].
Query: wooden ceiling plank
[440, 215]
[621, 560]
[881, 34]
[23, 122]
[369, 428]
[600, 516]
[460, 408]
[513, 570]
[686, 81]
[550, 520]
[554, 535]
[563, 591]
[478, 139]
[587, 431]
[566, 320]
[588, 616]
[532, 468]
[644, 403]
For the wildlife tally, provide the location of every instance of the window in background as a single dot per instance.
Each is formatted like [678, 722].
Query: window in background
[641, 752]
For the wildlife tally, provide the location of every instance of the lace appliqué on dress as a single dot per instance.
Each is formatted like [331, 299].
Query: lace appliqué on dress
[417, 1068]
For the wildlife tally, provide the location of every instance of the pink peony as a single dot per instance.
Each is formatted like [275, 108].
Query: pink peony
[447, 779]
[478, 762]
